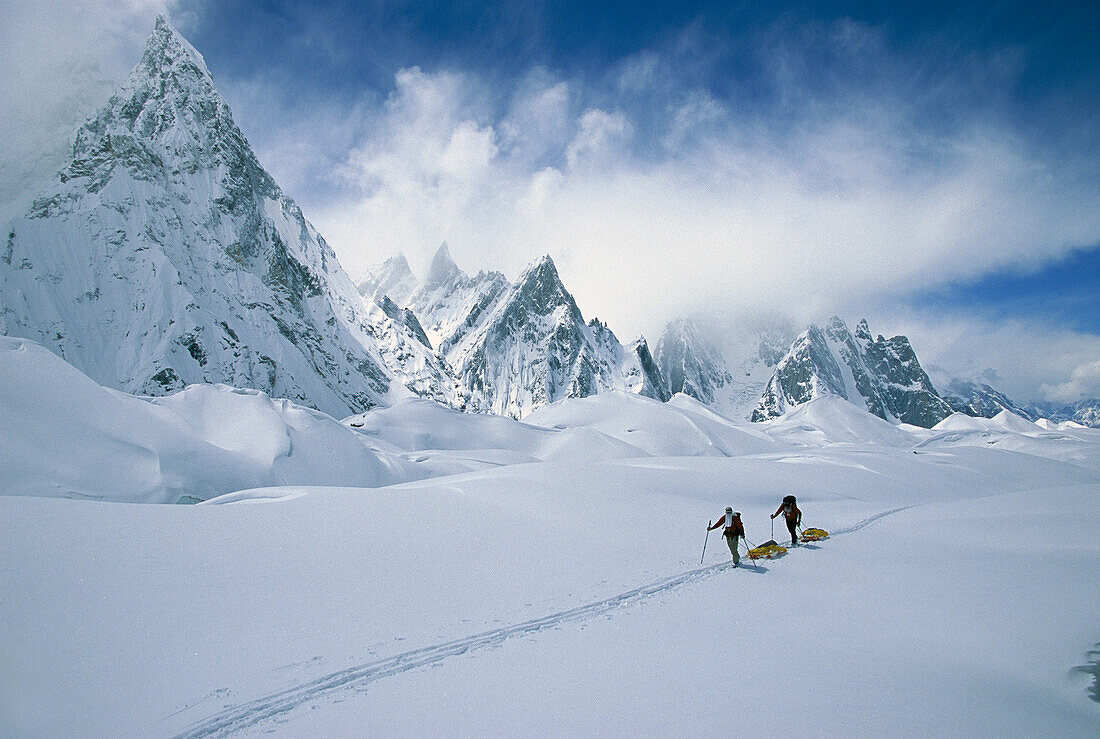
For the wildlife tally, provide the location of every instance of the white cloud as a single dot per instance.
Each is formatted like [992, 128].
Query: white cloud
[538, 120]
[1084, 382]
[698, 112]
[667, 199]
[468, 152]
[599, 140]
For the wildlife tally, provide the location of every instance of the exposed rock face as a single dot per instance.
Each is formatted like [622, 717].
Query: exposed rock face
[689, 365]
[164, 254]
[406, 318]
[881, 374]
[633, 366]
[533, 348]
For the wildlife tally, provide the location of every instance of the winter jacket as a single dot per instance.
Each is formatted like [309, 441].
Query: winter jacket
[737, 529]
[792, 515]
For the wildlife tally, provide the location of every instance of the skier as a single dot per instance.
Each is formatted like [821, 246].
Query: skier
[734, 529]
[792, 515]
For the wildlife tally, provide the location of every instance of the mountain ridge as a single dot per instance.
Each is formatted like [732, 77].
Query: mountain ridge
[884, 375]
[517, 347]
[164, 254]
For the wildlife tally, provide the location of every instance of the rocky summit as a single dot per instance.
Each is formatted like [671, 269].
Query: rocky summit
[880, 374]
[514, 348]
[164, 254]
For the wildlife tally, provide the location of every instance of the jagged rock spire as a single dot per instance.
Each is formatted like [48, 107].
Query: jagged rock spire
[443, 268]
[883, 375]
[166, 255]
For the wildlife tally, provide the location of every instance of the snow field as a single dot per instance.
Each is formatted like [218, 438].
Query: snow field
[188, 609]
[63, 435]
[538, 578]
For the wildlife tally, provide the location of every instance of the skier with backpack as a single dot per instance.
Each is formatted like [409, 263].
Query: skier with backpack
[732, 531]
[792, 515]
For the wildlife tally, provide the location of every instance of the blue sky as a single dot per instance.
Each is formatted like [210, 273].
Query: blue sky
[934, 166]
[1064, 291]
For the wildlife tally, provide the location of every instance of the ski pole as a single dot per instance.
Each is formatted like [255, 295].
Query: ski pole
[747, 550]
[749, 546]
[705, 540]
[773, 527]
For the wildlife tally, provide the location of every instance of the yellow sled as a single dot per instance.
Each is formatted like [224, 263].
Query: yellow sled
[814, 534]
[767, 550]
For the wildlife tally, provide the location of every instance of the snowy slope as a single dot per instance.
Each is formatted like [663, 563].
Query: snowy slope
[69, 437]
[63, 435]
[432, 431]
[1064, 442]
[571, 598]
[165, 255]
[830, 420]
[538, 568]
[682, 427]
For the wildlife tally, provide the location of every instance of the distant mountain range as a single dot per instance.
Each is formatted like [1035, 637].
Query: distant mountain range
[1084, 412]
[515, 348]
[165, 255]
[879, 374]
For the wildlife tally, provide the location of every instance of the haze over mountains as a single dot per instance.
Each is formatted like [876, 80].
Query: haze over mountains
[165, 255]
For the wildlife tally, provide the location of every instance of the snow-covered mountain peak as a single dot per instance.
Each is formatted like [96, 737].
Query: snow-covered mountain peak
[863, 331]
[164, 255]
[443, 269]
[167, 47]
[168, 99]
[882, 375]
[392, 278]
[540, 290]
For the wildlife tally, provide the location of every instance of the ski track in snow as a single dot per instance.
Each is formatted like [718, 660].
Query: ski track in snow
[245, 715]
[868, 521]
